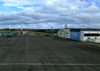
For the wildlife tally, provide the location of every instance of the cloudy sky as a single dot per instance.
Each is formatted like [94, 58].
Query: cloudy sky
[44, 14]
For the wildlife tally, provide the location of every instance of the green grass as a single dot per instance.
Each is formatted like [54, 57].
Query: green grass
[41, 33]
[30, 32]
[18, 32]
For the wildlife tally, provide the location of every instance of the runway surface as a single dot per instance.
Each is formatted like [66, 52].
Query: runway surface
[41, 53]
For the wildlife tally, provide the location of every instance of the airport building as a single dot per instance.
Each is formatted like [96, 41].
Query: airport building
[91, 35]
[64, 33]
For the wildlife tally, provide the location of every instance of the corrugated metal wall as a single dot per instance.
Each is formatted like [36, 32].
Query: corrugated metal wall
[75, 35]
[64, 33]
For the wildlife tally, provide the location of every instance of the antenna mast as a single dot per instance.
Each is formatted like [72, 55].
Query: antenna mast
[65, 26]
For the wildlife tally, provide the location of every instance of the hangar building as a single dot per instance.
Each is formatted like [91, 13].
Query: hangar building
[91, 35]
[64, 33]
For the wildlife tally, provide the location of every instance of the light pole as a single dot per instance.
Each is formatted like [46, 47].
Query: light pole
[21, 29]
[9, 29]
[65, 26]
[51, 27]
[52, 30]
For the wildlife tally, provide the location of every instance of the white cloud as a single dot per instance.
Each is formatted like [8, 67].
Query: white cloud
[53, 12]
[81, 3]
[21, 2]
[92, 9]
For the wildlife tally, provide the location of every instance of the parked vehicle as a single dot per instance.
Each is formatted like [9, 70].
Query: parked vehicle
[8, 34]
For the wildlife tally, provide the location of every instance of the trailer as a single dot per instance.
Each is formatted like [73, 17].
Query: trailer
[8, 34]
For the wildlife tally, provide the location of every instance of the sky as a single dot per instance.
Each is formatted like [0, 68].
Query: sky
[44, 14]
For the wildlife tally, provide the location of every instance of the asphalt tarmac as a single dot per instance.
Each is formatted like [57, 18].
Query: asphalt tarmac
[41, 53]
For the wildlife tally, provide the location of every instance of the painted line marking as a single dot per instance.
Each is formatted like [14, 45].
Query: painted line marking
[49, 64]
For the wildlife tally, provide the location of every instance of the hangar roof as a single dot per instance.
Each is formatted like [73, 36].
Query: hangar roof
[84, 29]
